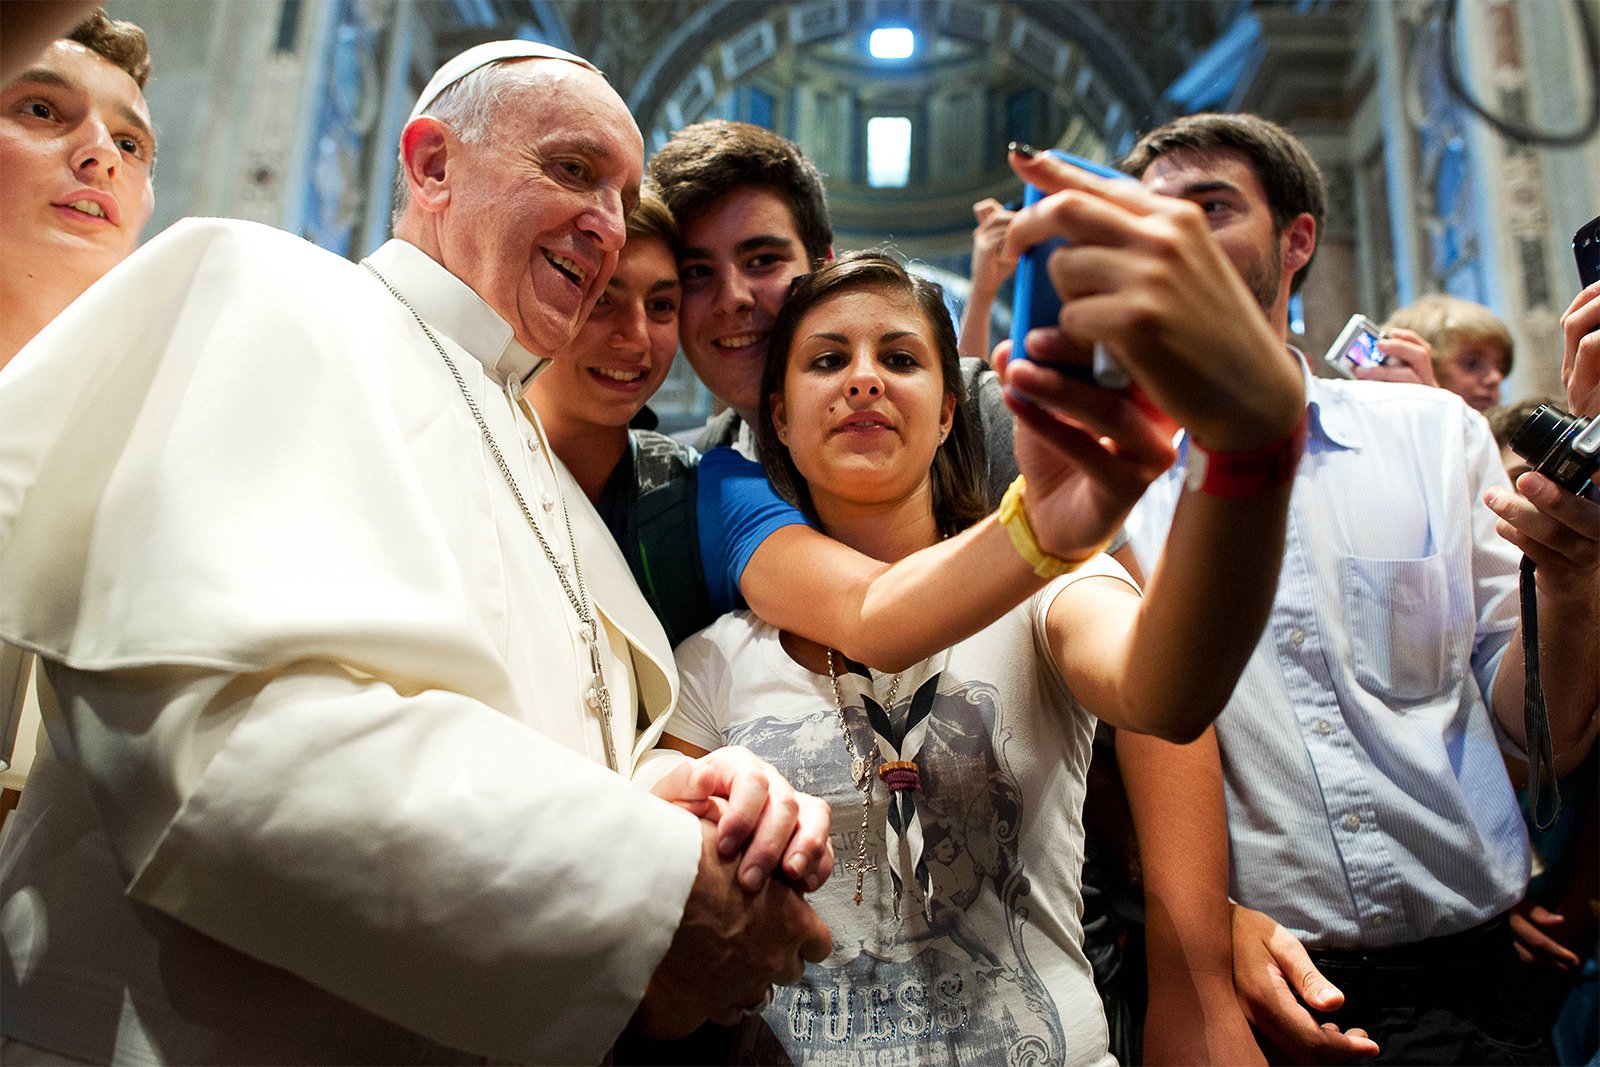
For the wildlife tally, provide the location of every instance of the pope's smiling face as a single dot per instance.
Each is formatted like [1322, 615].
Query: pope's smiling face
[76, 152]
[536, 211]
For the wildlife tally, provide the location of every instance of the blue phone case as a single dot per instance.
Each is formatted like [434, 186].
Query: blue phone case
[1034, 301]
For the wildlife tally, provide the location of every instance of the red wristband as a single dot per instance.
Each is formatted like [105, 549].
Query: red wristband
[1237, 475]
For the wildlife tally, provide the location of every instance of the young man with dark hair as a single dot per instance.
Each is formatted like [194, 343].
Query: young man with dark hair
[77, 150]
[120, 43]
[703, 162]
[1288, 175]
[753, 216]
[1368, 809]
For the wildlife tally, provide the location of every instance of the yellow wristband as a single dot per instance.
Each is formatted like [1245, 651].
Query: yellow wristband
[1015, 520]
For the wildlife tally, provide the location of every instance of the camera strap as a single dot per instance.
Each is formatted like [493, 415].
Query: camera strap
[1535, 716]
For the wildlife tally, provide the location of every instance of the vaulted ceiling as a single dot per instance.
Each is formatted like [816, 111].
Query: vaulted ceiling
[1086, 75]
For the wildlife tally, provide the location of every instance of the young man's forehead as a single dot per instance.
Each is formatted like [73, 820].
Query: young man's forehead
[54, 71]
[747, 211]
[744, 246]
[46, 76]
[1190, 170]
[654, 285]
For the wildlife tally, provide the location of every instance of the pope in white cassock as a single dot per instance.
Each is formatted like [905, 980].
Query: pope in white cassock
[336, 653]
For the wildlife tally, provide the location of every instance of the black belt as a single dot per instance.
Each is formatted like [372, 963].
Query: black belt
[1468, 948]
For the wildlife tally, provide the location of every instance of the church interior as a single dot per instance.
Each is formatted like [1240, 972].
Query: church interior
[343, 758]
[1458, 137]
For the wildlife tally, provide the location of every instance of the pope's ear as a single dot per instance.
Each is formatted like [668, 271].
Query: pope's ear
[425, 146]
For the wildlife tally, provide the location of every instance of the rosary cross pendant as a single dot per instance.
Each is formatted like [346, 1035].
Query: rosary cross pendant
[861, 867]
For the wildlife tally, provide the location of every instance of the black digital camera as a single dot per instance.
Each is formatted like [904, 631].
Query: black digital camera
[1562, 447]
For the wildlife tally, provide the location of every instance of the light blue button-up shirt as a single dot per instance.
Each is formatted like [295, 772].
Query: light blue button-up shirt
[1367, 801]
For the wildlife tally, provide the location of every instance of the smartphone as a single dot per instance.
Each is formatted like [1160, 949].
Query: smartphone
[1357, 346]
[1034, 301]
[1586, 250]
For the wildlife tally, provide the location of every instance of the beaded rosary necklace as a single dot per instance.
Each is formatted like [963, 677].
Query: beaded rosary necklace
[901, 777]
[861, 768]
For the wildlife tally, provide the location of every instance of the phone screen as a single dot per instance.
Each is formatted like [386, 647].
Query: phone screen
[1363, 349]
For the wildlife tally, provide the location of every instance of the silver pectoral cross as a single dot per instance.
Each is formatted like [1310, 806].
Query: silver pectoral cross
[598, 696]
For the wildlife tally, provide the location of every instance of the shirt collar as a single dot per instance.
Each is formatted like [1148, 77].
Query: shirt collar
[451, 307]
[1329, 420]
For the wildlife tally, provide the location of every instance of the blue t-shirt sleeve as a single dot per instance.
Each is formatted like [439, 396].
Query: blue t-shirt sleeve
[737, 509]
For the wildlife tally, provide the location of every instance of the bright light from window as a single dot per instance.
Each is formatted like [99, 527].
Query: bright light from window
[892, 42]
[888, 151]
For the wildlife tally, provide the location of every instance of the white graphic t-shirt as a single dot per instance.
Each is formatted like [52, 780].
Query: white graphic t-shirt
[987, 967]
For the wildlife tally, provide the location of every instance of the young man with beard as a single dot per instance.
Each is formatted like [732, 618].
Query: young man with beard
[1368, 809]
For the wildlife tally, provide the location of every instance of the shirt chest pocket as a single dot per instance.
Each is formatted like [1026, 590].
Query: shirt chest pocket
[1398, 617]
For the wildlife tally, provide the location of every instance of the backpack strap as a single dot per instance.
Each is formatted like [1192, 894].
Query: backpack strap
[662, 543]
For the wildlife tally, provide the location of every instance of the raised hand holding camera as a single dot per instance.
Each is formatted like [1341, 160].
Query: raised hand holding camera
[1144, 276]
[1580, 363]
[1035, 301]
[1559, 535]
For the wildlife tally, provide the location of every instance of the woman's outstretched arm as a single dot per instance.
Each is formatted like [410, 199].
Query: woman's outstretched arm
[1145, 277]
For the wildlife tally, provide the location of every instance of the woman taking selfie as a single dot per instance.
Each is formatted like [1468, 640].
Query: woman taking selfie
[957, 783]
[705, 534]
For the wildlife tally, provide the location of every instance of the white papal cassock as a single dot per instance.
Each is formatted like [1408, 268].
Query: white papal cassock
[322, 785]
